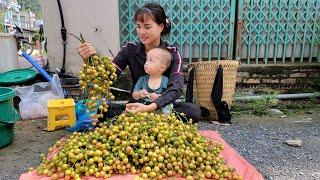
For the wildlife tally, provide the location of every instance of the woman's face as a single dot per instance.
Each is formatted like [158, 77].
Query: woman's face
[149, 31]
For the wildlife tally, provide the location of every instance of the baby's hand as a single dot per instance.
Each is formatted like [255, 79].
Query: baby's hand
[154, 96]
[143, 93]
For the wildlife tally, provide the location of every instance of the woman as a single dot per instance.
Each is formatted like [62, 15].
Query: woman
[152, 24]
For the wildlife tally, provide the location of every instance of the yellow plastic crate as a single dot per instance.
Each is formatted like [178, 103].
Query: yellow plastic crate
[61, 113]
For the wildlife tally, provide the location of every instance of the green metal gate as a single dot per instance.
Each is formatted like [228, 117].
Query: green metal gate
[201, 29]
[278, 30]
[253, 31]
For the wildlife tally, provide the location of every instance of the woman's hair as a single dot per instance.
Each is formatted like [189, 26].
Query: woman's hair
[156, 12]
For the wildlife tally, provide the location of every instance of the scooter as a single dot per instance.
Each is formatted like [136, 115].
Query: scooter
[22, 42]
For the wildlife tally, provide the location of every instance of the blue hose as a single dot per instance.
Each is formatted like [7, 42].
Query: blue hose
[36, 65]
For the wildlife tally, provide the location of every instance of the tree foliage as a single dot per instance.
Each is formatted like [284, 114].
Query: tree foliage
[1, 20]
[33, 5]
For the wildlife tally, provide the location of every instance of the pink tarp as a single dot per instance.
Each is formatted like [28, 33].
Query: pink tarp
[244, 169]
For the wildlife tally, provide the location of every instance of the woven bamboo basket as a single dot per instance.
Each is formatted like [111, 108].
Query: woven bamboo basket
[205, 73]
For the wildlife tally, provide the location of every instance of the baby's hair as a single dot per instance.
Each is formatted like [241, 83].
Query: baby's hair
[166, 56]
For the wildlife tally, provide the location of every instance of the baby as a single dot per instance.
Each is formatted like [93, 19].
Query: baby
[151, 86]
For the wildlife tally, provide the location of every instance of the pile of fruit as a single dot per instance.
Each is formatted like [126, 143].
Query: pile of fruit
[152, 145]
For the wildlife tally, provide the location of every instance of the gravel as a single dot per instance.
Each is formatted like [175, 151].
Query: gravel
[260, 140]
[24, 152]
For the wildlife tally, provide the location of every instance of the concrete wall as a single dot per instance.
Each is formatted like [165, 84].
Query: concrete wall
[97, 20]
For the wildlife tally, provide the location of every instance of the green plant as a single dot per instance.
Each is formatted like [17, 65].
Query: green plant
[36, 37]
[271, 99]
[2, 28]
[260, 107]
[314, 98]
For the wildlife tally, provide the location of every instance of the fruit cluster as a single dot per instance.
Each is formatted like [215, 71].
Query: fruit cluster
[96, 78]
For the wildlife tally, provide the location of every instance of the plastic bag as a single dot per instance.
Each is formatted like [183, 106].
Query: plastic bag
[34, 98]
[84, 122]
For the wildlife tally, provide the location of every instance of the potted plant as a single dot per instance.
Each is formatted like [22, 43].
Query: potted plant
[36, 40]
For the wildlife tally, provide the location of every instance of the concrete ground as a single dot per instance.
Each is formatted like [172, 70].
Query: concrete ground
[259, 139]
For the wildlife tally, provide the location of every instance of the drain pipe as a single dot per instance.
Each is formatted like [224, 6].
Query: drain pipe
[64, 37]
[278, 96]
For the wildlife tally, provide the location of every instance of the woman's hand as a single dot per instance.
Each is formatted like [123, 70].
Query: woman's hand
[138, 107]
[154, 96]
[85, 51]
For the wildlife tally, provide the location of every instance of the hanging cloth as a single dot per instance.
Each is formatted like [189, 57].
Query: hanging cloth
[221, 107]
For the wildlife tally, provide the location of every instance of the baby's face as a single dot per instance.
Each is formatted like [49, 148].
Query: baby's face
[153, 64]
